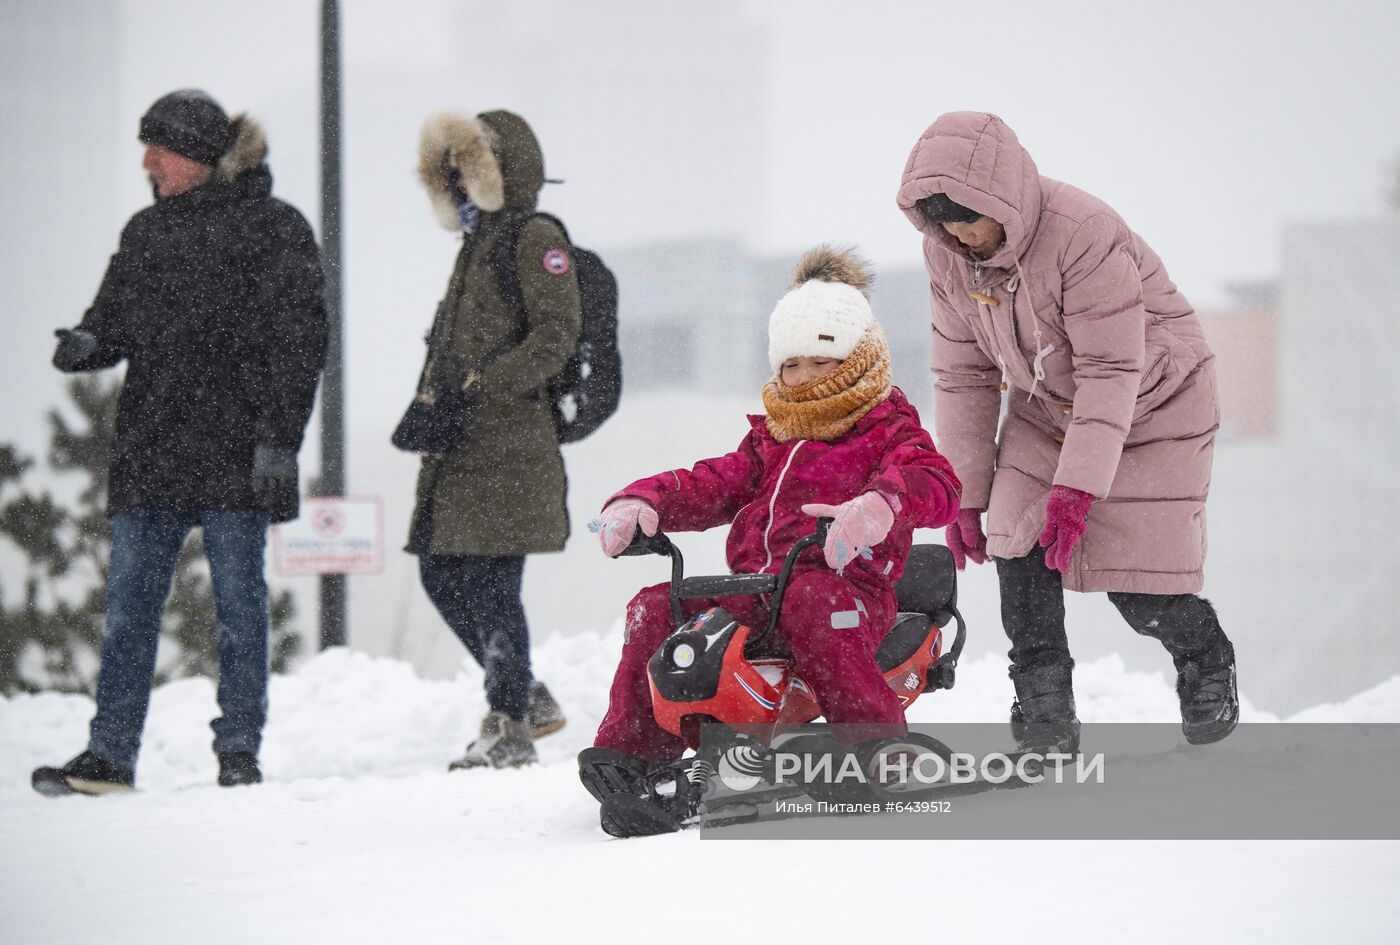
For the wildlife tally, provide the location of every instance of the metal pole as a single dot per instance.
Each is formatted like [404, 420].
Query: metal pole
[332, 480]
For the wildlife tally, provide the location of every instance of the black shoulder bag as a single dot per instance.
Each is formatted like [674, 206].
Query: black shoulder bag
[434, 422]
[437, 418]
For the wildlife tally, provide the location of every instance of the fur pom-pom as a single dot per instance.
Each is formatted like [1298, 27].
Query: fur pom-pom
[826, 311]
[827, 263]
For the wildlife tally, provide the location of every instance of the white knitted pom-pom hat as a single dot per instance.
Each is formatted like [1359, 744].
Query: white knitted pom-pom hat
[826, 313]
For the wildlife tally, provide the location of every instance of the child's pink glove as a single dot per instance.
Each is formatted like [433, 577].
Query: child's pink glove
[617, 525]
[1066, 516]
[965, 539]
[860, 525]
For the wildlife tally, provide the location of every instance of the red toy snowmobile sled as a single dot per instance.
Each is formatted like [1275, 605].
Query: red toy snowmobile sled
[715, 669]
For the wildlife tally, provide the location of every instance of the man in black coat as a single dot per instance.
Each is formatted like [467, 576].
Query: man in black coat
[214, 300]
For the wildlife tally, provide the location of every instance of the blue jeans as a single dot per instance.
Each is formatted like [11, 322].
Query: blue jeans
[479, 597]
[145, 546]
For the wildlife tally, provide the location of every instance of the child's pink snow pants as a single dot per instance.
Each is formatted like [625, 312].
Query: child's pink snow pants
[839, 664]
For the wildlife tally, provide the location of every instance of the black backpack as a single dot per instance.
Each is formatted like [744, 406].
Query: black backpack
[586, 392]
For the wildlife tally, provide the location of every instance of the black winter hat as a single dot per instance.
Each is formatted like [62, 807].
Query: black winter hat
[939, 209]
[188, 122]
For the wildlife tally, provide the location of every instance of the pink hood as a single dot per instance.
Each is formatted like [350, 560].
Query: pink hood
[976, 160]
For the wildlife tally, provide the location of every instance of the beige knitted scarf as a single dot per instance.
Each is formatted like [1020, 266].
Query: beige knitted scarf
[827, 407]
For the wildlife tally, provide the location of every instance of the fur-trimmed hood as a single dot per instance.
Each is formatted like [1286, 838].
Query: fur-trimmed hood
[248, 151]
[495, 155]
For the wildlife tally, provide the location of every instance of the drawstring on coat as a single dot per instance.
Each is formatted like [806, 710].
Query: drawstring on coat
[1041, 351]
[1038, 367]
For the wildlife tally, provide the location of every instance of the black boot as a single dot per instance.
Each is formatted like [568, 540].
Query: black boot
[1043, 718]
[237, 768]
[638, 798]
[1210, 702]
[85, 774]
[605, 771]
[625, 816]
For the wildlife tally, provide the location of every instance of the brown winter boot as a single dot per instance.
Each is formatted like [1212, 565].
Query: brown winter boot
[543, 713]
[504, 743]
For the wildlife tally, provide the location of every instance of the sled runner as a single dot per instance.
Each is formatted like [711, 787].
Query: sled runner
[733, 781]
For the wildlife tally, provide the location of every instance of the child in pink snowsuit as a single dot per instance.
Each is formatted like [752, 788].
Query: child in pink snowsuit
[837, 441]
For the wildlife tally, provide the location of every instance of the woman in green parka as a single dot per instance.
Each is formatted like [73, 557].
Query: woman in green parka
[500, 494]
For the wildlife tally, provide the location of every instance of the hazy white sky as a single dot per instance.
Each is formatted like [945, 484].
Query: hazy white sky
[1209, 125]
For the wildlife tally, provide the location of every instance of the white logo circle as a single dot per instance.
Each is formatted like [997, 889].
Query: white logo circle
[741, 767]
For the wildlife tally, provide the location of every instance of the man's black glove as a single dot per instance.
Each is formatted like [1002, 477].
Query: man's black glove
[74, 347]
[274, 471]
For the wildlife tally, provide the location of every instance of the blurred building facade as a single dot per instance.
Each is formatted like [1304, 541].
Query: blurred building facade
[1307, 570]
[1244, 337]
[71, 70]
[694, 313]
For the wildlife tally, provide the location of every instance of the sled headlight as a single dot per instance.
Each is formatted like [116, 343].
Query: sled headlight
[683, 655]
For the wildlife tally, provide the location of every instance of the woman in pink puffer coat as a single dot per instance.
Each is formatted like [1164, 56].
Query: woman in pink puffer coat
[837, 440]
[1097, 479]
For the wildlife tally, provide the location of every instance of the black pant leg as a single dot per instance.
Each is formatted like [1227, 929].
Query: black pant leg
[1033, 612]
[1033, 616]
[480, 598]
[506, 635]
[444, 578]
[1185, 624]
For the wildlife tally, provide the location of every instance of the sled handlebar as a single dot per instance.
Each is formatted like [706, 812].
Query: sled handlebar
[724, 585]
[817, 537]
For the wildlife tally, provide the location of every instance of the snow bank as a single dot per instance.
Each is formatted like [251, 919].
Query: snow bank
[348, 715]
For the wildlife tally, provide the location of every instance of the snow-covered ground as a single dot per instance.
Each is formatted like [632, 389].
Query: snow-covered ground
[359, 835]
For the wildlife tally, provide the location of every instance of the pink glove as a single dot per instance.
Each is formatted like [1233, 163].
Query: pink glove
[617, 525]
[1066, 516]
[965, 539]
[860, 524]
